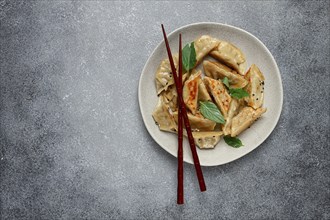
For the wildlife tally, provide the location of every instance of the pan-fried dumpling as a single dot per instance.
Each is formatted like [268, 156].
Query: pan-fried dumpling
[233, 110]
[230, 55]
[190, 91]
[245, 119]
[219, 93]
[203, 94]
[203, 46]
[255, 87]
[207, 139]
[198, 122]
[171, 97]
[162, 116]
[217, 70]
[164, 77]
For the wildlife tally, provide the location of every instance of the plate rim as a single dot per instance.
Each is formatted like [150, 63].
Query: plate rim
[226, 26]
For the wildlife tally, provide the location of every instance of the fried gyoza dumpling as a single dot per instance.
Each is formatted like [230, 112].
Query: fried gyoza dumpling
[217, 70]
[171, 97]
[198, 122]
[230, 55]
[203, 94]
[219, 93]
[255, 87]
[162, 116]
[190, 91]
[207, 139]
[164, 77]
[245, 119]
[234, 108]
[203, 46]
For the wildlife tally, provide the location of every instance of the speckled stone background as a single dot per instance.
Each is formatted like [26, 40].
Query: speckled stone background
[72, 141]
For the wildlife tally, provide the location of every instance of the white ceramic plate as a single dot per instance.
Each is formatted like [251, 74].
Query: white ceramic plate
[255, 52]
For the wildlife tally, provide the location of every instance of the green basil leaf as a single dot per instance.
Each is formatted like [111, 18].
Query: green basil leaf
[226, 82]
[210, 111]
[189, 56]
[238, 93]
[233, 141]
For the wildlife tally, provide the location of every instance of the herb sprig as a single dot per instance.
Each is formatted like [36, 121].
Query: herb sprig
[210, 111]
[189, 56]
[233, 141]
[235, 93]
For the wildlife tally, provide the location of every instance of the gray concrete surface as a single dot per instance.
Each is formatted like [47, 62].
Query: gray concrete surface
[72, 141]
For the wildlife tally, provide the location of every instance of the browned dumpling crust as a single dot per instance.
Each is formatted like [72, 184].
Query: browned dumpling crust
[219, 92]
[190, 91]
[255, 87]
[217, 70]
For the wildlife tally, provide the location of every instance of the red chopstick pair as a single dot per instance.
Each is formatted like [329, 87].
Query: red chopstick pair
[183, 113]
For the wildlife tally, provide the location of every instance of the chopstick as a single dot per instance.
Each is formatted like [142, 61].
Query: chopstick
[180, 199]
[185, 118]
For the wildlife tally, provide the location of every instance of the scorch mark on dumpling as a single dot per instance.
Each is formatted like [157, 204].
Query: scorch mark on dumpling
[190, 91]
[219, 93]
